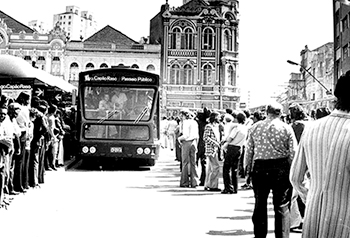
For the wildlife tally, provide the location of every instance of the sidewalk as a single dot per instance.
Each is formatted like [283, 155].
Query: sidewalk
[236, 221]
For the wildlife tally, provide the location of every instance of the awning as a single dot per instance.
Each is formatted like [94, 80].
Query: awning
[18, 67]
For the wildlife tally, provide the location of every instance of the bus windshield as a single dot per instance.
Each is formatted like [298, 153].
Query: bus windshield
[116, 103]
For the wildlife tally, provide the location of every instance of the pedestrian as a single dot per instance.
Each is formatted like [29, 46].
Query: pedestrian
[5, 147]
[257, 116]
[212, 138]
[298, 122]
[232, 148]
[324, 153]
[172, 124]
[188, 141]
[178, 133]
[202, 120]
[270, 148]
[54, 132]
[163, 132]
[23, 120]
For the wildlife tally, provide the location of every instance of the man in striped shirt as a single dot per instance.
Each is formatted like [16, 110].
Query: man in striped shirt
[270, 148]
[324, 153]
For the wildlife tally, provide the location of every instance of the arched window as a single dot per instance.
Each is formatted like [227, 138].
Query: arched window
[189, 39]
[56, 66]
[134, 66]
[234, 39]
[231, 72]
[207, 74]
[175, 74]
[208, 39]
[227, 40]
[41, 63]
[188, 75]
[103, 66]
[28, 58]
[73, 72]
[176, 39]
[151, 68]
[89, 66]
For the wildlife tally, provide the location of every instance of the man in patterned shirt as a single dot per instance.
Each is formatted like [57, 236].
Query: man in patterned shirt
[270, 148]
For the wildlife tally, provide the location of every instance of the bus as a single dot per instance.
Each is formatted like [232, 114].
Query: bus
[118, 116]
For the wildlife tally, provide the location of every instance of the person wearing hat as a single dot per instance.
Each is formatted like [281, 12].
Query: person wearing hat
[188, 141]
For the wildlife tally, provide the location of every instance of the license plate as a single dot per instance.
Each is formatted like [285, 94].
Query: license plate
[116, 150]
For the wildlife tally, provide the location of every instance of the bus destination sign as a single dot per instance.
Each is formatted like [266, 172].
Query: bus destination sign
[136, 79]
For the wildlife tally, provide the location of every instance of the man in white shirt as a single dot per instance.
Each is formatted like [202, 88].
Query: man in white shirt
[232, 147]
[188, 142]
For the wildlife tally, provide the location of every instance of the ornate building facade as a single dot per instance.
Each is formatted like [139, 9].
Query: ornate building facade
[64, 58]
[44, 51]
[108, 48]
[199, 55]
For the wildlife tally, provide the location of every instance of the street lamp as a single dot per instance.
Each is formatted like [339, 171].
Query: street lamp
[328, 92]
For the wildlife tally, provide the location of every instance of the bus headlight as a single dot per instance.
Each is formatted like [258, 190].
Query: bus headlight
[147, 151]
[85, 149]
[92, 150]
[139, 151]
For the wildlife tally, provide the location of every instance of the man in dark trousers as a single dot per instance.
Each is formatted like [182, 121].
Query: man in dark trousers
[202, 121]
[271, 147]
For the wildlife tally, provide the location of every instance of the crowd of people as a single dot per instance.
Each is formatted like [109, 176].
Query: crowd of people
[302, 158]
[35, 137]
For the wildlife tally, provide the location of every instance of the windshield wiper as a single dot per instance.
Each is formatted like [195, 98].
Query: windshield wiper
[141, 115]
[109, 115]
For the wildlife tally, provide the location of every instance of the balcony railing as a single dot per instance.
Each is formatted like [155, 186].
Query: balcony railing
[208, 53]
[184, 53]
[202, 88]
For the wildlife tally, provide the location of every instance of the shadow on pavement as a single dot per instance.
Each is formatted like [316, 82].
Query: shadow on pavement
[233, 233]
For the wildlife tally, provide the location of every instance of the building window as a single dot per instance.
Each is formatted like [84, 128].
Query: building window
[89, 66]
[345, 51]
[208, 39]
[321, 70]
[69, 23]
[231, 76]
[134, 66]
[56, 66]
[188, 75]
[175, 74]
[150, 68]
[176, 39]
[345, 23]
[73, 72]
[189, 39]
[103, 65]
[28, 59]
[41, 62]
[70, 17]
[227, 40]
[207, 74]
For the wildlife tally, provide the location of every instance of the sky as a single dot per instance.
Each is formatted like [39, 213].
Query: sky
[271, 32]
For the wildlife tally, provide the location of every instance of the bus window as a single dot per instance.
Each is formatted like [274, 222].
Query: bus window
[115, 132]
[117, 103]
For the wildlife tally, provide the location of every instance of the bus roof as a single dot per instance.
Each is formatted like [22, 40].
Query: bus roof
[18, 68]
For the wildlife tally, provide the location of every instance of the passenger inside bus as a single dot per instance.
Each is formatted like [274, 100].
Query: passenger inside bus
[118, 99]
[140, 105]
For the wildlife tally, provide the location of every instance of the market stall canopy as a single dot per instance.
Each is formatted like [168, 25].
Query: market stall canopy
[17, 67]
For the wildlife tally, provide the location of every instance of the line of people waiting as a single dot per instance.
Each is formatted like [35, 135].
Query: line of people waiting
[33, 135]
[258, 147]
